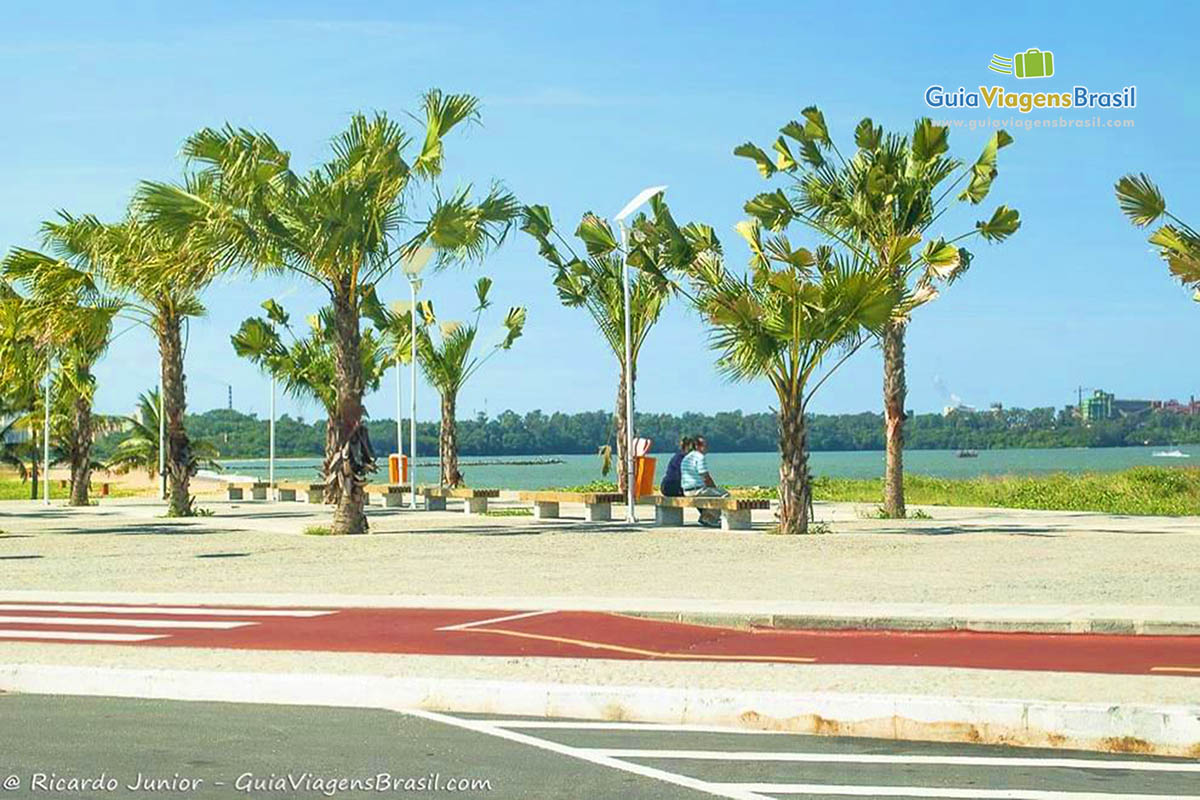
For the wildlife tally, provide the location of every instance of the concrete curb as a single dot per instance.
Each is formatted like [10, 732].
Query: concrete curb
[1128, 626]
[1161, 730]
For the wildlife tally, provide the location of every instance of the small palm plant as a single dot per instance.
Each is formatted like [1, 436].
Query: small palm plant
[139, 449]
[793, 318]
[594, 282]
[879, 205]
[444, 352]
[1177, 242]
[305, 365]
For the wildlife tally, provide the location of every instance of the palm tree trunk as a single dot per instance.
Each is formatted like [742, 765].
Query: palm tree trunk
[331, 487]
[352, 459]
[622, 469]
[81, 452]
[179, 449]
[448, 440]
[894, 395]
[795, 485]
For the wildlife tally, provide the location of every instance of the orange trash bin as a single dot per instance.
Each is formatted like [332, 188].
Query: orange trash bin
[397, 468]
[643, 476]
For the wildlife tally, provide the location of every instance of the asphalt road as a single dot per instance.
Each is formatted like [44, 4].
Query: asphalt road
[266, 751]
[582, 634]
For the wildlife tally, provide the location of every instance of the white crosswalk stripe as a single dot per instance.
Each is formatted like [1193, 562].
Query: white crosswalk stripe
[171, 610]
[91, 636]
[120, 622]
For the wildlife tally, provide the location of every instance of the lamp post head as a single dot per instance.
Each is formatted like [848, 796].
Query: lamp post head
[414, 263]
[634, 204]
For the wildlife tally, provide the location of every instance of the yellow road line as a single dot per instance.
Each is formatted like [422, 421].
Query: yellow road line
[1195, 670]
[640, 652]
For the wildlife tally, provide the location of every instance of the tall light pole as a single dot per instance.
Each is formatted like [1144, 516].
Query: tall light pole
[412, 266]
[633, 205]
[46, 441]
[271, 436]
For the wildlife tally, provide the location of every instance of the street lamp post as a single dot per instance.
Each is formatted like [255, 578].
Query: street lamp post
[271, 460]
[412, 266]
[633, 205]
[46, 442]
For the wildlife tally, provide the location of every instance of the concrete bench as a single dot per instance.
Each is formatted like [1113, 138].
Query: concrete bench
[258, 490]
[735, 511]
[598, 504]
[313, 492]
[392, 493]
[475, 501]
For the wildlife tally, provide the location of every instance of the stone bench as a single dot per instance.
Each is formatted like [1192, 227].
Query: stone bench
[258, 490]
[598, 504]
[392, 493]
[735, 511]
[475, 501]
[289, 490]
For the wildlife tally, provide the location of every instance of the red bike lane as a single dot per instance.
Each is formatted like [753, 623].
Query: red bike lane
[582, 634]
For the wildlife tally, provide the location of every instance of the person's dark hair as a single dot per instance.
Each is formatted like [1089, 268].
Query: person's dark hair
[686, 444]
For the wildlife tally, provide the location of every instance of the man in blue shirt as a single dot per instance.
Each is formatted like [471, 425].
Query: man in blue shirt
[671, 485]
[696, 481]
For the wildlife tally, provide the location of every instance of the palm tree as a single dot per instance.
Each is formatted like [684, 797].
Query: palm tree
[791, 313]
[343, 226]
[156, 274]
[879, 205]
[1178, 243]
[448, 363]
[75, 322]
[22, 368]
[139, 449]
[595, 283]
[306, 366]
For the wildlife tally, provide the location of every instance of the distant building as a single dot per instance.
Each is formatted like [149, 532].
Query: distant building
[961, 408]
[1105, 405]
[1176, 407]
[1097, 407]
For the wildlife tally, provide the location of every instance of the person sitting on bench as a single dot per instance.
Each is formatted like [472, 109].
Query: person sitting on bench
[698, 482]
[671, 486]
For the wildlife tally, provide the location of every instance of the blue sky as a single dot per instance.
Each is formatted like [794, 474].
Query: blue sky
[585, 105]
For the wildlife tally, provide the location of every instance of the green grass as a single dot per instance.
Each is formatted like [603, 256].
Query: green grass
[594, 486]
[1141, 490]
[13, 488]
[318, 530]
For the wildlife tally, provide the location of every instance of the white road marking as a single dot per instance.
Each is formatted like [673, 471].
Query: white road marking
[467, 625]
[941, 792]
[628, 726]
[172, 610]
[81, 637]
[117, 622]
[483, 726]
[864, 758]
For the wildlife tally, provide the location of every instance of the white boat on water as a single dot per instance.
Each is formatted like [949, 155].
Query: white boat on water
[1170, 454]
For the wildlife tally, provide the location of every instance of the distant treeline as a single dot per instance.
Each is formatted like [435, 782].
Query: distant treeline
[239, 435]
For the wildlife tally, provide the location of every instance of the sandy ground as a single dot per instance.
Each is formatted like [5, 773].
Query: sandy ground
[958, 556]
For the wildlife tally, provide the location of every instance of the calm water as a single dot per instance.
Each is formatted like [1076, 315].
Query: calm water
[749, 469]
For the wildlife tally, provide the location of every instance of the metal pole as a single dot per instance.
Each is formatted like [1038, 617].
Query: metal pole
[271, 460]
[629, 476]
[412, 422]
[46, 443]
[399, 410]
[162, 450]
